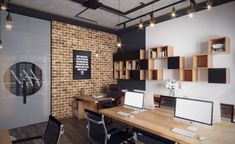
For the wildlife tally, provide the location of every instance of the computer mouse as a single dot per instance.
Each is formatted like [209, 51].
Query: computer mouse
[202, 138]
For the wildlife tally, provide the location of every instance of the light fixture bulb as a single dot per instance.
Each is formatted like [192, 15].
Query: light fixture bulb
[152, 20]
[3, 5]
[191, 10]
[173, 12]
[141, 24]
[9, 22]
[119, 43]
[209, 4]
[1, 45]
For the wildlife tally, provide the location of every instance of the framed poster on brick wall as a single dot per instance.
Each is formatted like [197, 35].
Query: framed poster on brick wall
[81, 64]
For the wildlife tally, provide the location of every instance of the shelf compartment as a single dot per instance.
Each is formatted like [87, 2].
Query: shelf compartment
[202, 61]
[218, 75]
[189, 75]
[137, 74]
[160, 52]
[219, 45]
[176, 62]
[155, 75]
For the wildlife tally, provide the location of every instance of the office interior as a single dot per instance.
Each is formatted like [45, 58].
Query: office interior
[117, 72]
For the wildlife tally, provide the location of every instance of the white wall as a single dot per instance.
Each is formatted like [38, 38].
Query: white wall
[189, 37]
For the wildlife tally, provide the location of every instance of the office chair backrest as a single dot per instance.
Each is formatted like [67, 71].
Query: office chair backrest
[115, 92]
[53, 131]
[96, 126]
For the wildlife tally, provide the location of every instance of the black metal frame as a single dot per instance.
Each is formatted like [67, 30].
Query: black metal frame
[232, 110]
[212, 105]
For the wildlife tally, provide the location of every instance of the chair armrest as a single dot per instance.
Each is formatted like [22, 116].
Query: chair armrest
[26, 139]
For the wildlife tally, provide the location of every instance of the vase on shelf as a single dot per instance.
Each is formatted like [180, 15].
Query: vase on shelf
[172, 92]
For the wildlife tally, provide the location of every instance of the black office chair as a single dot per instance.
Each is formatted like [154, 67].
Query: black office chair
[143, 137]
[114, 92]
[98, 133]
[52, 134]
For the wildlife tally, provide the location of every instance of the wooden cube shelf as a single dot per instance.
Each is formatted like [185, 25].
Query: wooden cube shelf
[218, 75]
[189, 75]
[202, 61]
[160, 52]
[219, 45]
[155, 75]
[176, 62]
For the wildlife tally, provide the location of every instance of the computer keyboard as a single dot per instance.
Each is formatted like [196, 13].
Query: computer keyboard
[123, 113]
[183, 132]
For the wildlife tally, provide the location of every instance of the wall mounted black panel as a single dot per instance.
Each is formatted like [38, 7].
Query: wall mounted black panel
[130, 55]
[132, 40]
[217, 75]
[173, 62]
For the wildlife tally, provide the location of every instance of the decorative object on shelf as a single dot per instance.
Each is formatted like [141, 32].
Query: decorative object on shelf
[172, 84]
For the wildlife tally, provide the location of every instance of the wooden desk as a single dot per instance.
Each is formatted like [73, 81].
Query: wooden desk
[5, 137]
[87, 102]
[160, 121]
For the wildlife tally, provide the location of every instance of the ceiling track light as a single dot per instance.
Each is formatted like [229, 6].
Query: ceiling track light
[152, 20]
[209, 4]
[1, 44]
[141, 24]
[191, 10]
[173, 12]
[119, 42]
[3, 5]
[9, 22]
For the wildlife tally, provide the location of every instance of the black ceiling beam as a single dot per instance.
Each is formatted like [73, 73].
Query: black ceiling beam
[170, 5]
[13, 8]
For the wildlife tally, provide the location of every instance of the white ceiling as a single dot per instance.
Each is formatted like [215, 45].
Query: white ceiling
[69, 9]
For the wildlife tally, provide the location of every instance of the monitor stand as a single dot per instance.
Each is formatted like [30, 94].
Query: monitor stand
[193, 125]
[135, 110]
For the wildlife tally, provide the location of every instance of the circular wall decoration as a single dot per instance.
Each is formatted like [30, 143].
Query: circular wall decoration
[23, 79]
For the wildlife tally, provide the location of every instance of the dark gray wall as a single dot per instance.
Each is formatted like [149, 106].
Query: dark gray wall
[132, 40]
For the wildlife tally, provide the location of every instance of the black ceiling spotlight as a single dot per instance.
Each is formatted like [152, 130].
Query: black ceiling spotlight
[92, 4]
[193, 2]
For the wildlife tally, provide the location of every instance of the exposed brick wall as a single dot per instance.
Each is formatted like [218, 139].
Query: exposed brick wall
[65, 39]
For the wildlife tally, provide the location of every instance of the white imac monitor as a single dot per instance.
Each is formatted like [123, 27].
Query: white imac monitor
[134, 99]
[199, 111]
[148, 99]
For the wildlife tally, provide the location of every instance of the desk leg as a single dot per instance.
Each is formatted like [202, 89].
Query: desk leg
[81, 108]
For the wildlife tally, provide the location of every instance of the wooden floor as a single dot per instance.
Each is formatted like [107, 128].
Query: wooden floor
[75, 132]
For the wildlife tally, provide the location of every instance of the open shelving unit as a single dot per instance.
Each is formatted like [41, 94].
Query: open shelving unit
[219, 45]
[135, 65]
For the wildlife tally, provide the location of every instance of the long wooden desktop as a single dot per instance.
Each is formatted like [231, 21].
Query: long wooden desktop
[160, 122]
[4, 137]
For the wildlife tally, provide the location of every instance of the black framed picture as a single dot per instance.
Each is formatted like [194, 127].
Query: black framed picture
[81, 64]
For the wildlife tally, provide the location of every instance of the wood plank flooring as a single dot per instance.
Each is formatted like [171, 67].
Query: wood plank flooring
[75, 132]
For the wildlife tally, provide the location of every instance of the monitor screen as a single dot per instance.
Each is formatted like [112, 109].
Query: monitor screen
[148, 98]
[194, 110]
[134, 99]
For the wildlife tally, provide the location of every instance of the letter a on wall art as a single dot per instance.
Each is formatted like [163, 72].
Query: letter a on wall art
[81, 64]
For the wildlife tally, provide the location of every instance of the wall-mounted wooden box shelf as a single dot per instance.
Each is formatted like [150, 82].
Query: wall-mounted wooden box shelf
[202, 61]
[155, 75]
[160, 52]
[219, 45]
[189, 75]
[218, 75]
[176, 62]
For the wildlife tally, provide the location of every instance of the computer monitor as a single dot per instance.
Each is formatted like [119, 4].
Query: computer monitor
[148, 99]
[199, 111]
[134, 99]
